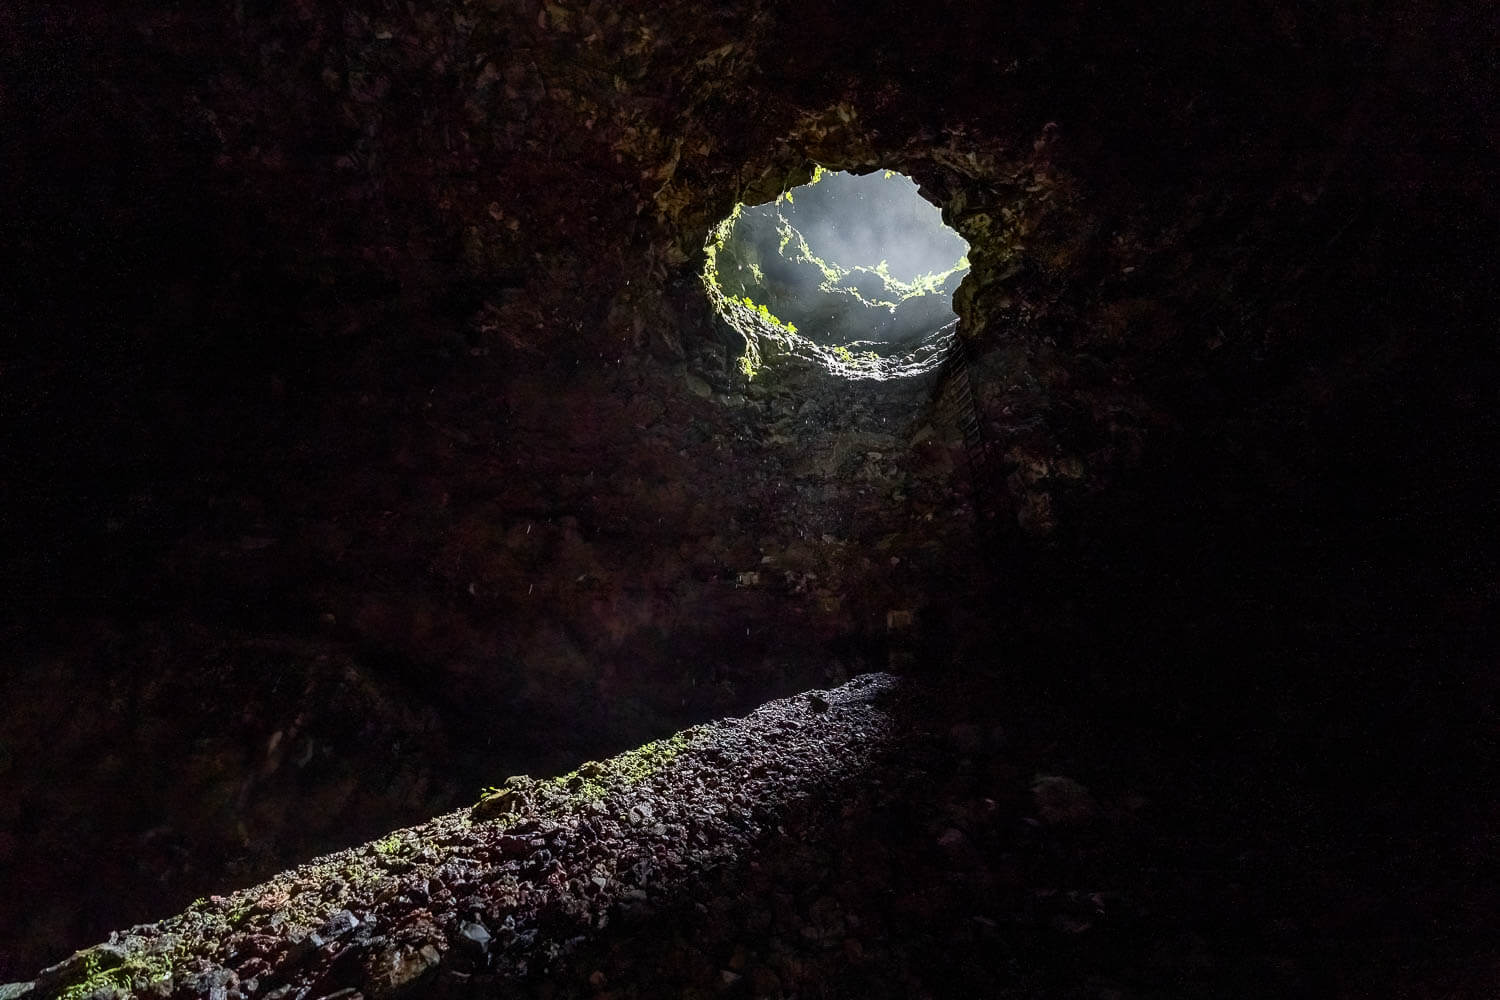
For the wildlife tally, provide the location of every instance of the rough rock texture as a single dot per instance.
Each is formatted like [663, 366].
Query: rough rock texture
[356, 386]
[885, 838]
[476, 898]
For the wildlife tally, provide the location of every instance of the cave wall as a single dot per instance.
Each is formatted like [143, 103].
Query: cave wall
[371, 335]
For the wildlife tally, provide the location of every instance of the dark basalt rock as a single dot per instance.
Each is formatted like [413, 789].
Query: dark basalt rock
[367, 435]
[519, 911]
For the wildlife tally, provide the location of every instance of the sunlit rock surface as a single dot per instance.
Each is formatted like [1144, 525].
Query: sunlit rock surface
[860, 265]
[479, 898]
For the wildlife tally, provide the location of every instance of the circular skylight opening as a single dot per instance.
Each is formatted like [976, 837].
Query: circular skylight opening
[854, 271]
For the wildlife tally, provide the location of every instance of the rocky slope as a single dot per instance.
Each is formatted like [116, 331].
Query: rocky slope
[885, 838]
[477, 898]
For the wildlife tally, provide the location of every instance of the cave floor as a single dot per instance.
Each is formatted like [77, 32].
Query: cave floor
[935, 836]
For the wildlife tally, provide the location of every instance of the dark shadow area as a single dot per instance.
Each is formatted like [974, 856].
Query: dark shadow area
[366, 436]
[1003, 848]
[1292, 614]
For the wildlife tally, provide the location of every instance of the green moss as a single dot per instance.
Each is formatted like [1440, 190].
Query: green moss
[864, 361]
[100, 968]
[637, 765]
[755, 320]
[593, 780]
[390, 846]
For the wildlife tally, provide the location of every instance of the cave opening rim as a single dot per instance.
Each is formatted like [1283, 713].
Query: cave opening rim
[767, 338]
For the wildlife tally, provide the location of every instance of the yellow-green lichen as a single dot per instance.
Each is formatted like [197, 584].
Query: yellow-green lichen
[104, 967]
[592, 782]
[390, 846]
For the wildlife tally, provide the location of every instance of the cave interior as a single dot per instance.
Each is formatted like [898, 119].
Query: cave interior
[372, 430]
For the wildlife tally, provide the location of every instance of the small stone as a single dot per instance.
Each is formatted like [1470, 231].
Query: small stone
[214, 984]
[597, 979]
[336, 926]
[473, 936]
[503, 802]
[730, 978]
[397, 969]
[512, 847]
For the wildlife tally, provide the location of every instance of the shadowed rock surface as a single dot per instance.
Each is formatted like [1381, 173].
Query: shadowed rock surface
[366, 433]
